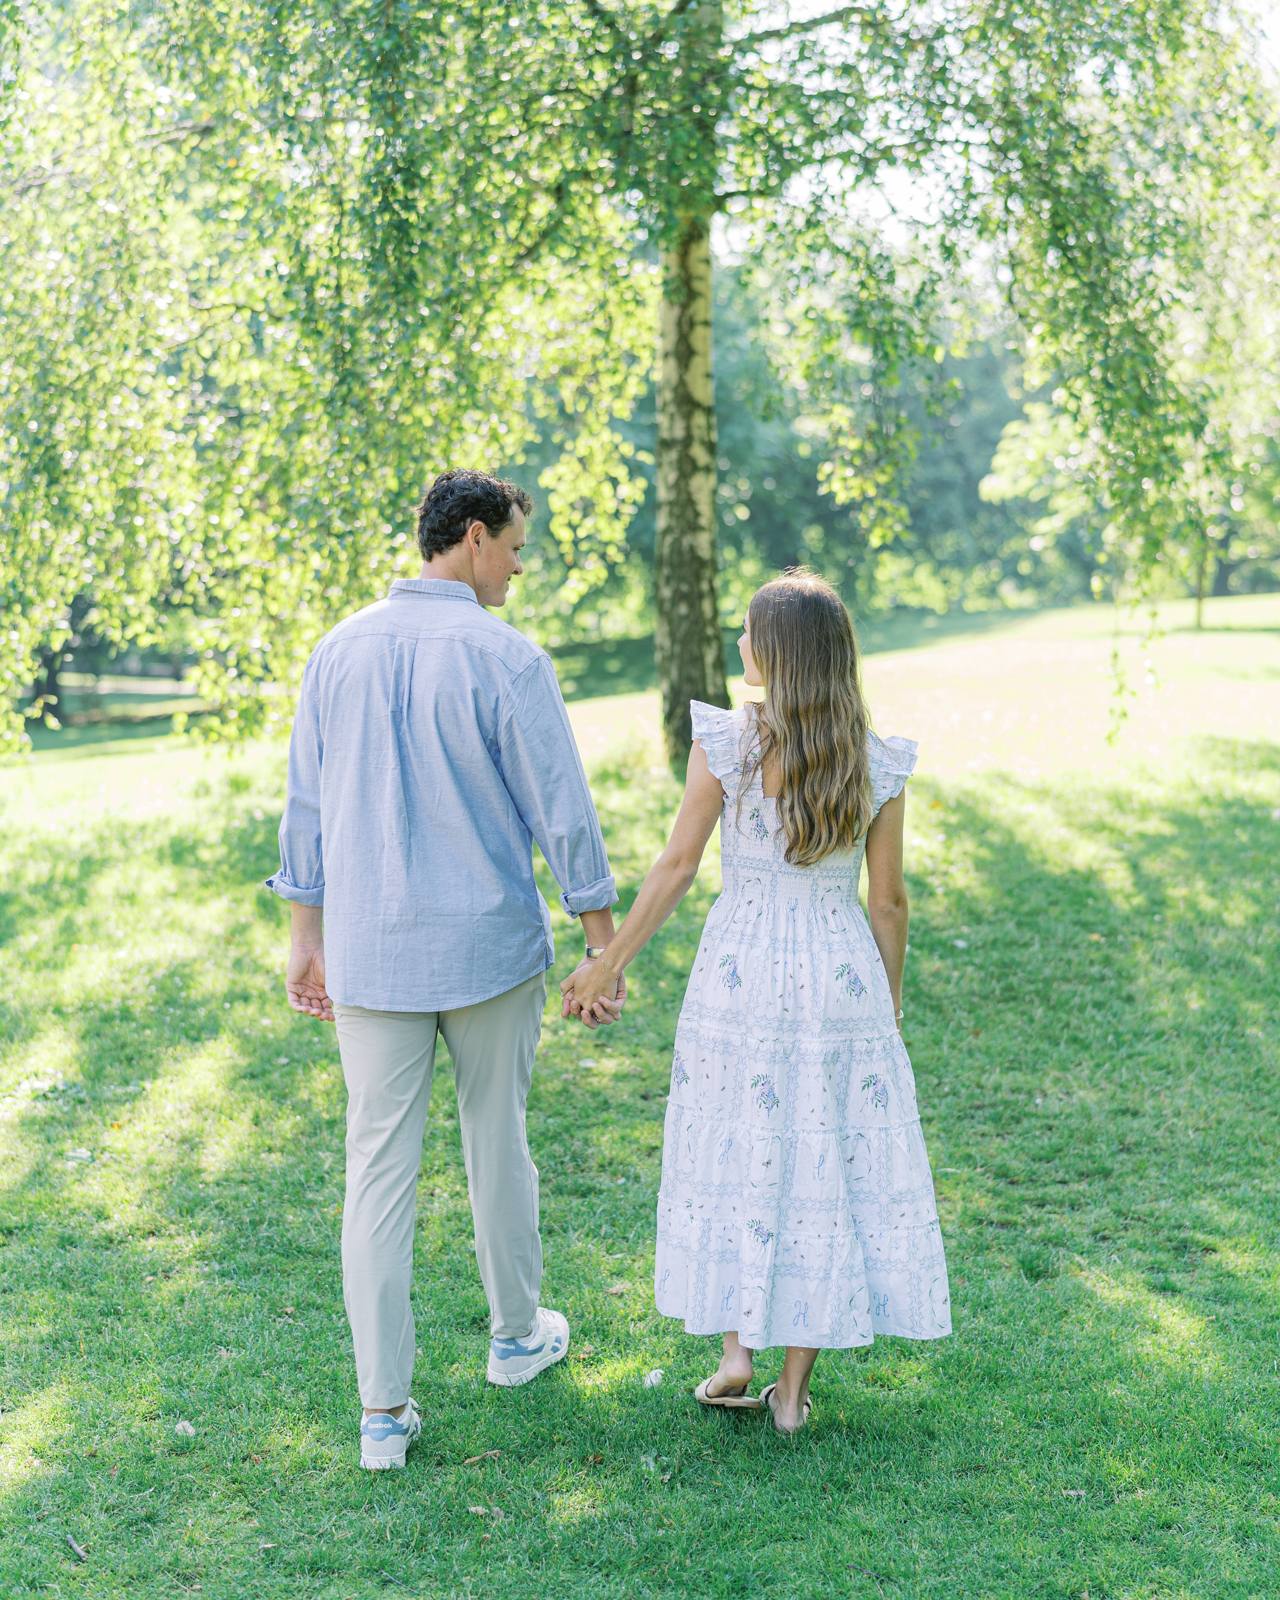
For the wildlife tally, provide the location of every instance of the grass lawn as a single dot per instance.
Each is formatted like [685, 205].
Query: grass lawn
[1091, 996]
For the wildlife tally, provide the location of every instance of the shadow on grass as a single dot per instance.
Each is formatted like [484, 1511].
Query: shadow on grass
[1091, 1008]
[1098, 1050]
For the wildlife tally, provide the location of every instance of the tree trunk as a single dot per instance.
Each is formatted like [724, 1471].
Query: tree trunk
[687, 636]
[1200, 577]
[48, 689]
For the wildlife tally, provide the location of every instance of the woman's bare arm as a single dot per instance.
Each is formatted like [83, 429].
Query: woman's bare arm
[887, 909]
[668, 881]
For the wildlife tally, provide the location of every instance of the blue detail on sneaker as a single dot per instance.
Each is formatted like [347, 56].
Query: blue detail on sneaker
[384, 1439]
[515, 1361]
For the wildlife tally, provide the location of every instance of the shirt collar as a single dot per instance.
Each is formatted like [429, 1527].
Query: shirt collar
[441, 588]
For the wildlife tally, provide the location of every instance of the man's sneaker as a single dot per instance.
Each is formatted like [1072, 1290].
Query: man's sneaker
[384, 1438]
[514, 1361]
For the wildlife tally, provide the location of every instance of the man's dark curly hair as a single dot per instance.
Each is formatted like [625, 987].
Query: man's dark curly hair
[457, 499]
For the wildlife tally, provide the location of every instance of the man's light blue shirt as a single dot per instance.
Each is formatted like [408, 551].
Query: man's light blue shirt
[430, 747]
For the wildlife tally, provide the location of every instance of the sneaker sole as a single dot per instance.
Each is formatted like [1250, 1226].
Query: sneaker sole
[380, 1464]
[505, 1381]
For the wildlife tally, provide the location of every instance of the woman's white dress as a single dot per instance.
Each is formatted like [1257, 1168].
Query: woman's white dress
[796, 1204]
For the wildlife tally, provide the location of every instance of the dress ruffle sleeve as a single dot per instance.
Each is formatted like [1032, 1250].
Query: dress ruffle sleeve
[720, 733]
[892, 761]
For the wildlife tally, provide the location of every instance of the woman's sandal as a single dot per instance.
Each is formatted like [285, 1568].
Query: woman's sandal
[736, 1399]
[764, 1401]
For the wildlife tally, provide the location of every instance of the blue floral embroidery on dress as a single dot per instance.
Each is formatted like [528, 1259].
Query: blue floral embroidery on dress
[790, 928]
[853, 984]
[879, 1089]
[767, 1098]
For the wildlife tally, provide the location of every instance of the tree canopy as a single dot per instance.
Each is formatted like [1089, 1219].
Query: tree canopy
[268, 267]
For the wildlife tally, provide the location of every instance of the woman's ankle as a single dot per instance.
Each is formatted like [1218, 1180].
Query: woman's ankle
[736, 1358]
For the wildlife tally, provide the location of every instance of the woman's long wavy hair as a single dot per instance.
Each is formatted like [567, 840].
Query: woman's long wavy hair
[814, 719]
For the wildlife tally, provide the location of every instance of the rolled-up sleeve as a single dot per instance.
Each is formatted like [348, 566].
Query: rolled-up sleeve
[544, 776]
[301, 874]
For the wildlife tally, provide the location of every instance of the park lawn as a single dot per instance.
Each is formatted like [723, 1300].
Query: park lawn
[1091, 997]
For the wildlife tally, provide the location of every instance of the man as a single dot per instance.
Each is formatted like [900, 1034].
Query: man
[431, 745]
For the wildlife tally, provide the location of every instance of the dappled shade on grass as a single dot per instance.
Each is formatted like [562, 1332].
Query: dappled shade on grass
[1090, 998]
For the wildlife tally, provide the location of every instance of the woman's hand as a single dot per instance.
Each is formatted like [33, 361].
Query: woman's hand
[593, 993]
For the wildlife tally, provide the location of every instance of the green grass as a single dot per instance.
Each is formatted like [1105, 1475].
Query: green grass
[1091, 996]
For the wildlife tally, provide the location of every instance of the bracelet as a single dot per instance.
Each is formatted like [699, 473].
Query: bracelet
[594, 952]
[899, 1016]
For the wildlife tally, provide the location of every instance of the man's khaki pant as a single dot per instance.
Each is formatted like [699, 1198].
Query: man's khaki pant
[387, 1059]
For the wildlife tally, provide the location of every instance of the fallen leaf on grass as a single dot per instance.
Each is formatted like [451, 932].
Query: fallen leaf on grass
[185, 1429]
[268, 1547]
[478, 1511]
[286, 1311]
[595, 1461]
[113, 1472]
[653, 1380]
[257, 1460]
[1077, 1493]
[618, 1288]
[581, 1355]
[485, 1455]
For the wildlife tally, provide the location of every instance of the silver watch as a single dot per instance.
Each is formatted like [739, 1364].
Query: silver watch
[594, 952]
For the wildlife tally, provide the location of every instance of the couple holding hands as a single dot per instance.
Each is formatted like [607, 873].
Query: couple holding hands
[430, 747]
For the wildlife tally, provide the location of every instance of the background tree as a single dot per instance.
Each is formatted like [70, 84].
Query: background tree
[414, 234]
[1061, 133]
[214, 407]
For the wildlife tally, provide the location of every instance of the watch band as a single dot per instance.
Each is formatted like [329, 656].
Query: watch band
[594, 952]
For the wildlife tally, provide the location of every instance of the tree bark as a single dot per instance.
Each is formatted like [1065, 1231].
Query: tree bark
[687, 636]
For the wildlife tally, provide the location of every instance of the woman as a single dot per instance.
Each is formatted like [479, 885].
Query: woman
[796, 1204]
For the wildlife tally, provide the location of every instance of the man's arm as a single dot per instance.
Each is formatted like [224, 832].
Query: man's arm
[300, 879]
[544, 776]
[304, 976]
[598, 929]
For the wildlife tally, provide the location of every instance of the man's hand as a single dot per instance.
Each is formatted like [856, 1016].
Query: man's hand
[593, 994]
[304, 982]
